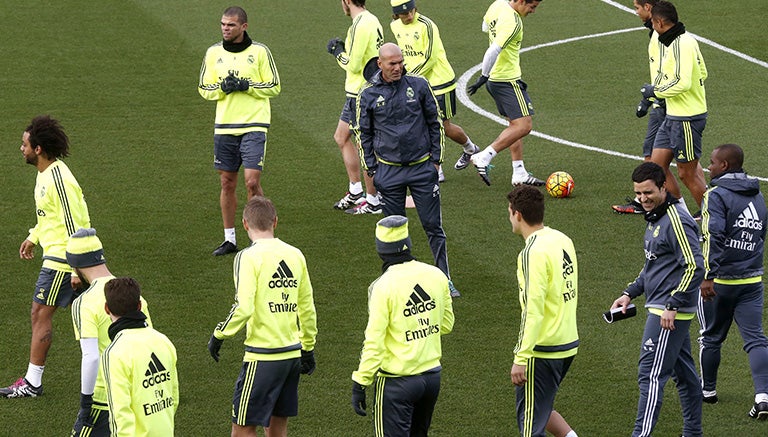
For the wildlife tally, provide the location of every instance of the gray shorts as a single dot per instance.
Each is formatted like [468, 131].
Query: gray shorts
[511, 98]
[232, 151]
[536, 399]
[349, 111]
[54, 288]
[683, 137]
[655, 117]
[447, 104]
[265, 389]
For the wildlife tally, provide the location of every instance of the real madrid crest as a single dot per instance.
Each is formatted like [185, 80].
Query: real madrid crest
[409, 92]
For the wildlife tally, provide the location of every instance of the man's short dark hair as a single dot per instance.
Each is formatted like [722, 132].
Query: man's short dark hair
[732, 154]
[665, 11]
[529, 202]
[236, 11]
[646, 2]
[47, 133]
[260, 213]
[649, 170]
[358, 3]
[122, 295]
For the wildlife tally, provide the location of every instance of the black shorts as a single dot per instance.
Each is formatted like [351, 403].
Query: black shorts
[231, 151]
[265, 389]
[683, 137]
[447, 104]
[97, 426]
[54, 288]
[349, 111]
[404, 405]
[511, 98]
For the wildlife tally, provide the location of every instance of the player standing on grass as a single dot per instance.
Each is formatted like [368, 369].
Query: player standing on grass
[240, 75]
[670, 281]
[364, 37]
[272, 293]
[548, 278]
[86, 255]
[424, 54]
[680, 82]
[409, 310]
[734, 220]
[61, 210]
[502, 76]
[139, 367]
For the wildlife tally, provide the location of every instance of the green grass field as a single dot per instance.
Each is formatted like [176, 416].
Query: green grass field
[122, 77]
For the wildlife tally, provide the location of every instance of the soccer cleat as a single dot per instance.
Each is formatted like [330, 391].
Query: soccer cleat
[452, 288]
[365, 208]
[697, 216]
[465, 159]
[759, 411]
[225, 248]
[21, 389]
[712, 399]
[631, 207]
[349, 200]
[482, 162]
[527, 180]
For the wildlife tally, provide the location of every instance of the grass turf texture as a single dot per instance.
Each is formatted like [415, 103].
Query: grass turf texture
[121, 77]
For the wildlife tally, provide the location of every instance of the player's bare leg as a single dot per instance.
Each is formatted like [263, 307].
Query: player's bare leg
[663, 157]
[510, 137]
[42, 333]
[278, 427]
[253, 182]
[228, 204]
[558, 427]
[692, 175]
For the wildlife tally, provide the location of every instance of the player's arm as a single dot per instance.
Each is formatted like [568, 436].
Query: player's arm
[307, 313]
[267, 84]
[373, 346]
[89, 364]
[434, 123]
[678, 69]
[683, 236]
[364, 130]
[209, 85]
[713, 231]
[534, 289]
[117, 377]
[351, 59]
[245, 291]
[446, 324]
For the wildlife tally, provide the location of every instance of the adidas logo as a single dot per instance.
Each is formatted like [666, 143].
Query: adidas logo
[380, 101]
[649, 345]
[283, 277]
[749, 218]
[156, 372]
[420, 302]
[40, 294]
[567, 265]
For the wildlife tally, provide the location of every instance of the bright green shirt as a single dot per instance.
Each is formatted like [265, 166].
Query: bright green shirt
[505, 28]
[91, 321]
[240, 112]
[409, 310]
[681, 76]
[139, 368]
[423, 52]
[547, 276]
[272, 293]
[61, 210]
[364, 38]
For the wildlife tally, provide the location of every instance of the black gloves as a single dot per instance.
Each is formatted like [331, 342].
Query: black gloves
[214, 344]
[229, 84]
[84, 415]
[648, 91]
[472, 89]
[243, 84]
[358, 398]
[642, 108]
[335, 46]
[307, 362]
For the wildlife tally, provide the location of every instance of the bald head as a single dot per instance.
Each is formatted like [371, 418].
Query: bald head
[390, 62]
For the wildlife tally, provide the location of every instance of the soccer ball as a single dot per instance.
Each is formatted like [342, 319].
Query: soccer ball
[559, 184]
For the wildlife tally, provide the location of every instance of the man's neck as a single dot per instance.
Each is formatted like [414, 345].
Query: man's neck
[43, 163]
[354, 11]
[527, 230]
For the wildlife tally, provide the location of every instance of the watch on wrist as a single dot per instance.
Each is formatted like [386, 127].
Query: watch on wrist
[670, 307]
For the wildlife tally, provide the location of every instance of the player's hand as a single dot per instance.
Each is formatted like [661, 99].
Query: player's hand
[243, 84]
[84, 415]
[27, 250]
[76, 282]
[642, 108]
[335, 46]
[622, 302]
[472, 89]
[648, 91]
[517, 374]
[668, 319]
[708, 290]
[214, 345]
[358, 399]
[229, 84]
[307, 362]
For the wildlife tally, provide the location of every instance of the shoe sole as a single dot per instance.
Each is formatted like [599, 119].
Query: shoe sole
[625, 212]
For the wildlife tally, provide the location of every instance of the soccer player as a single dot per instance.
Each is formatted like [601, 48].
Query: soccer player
[502, 77]
[670, 280]
[680, 82]
[547, 274]
[272, 293]
[61, 210]
[139, 367]
[85, 254]
[734, 220]
[424, 54]
[240, 75]
[409, 310]
[401, 143]
[364, 37]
